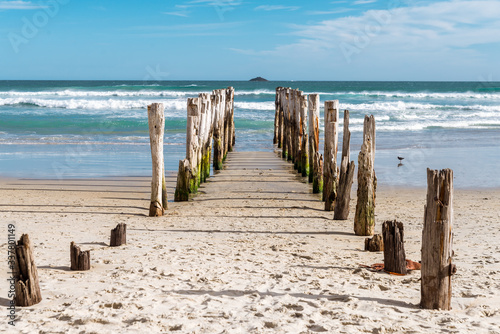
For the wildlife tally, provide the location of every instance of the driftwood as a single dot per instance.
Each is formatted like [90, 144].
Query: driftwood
[437, 239]
[394, 250]
[313, 106]
[118, 235]
[364, 219]
[79, 260]
[25, 272]
[330, 173]
[156, 120]
[346, 175]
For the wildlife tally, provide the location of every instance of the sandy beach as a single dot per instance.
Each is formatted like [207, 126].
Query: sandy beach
[254, 252]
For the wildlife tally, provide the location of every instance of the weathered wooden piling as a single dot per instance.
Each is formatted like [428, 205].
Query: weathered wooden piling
[156, 120]
[313, 116]
[229, 121]
[218, 126]
[304, 152]
[297, 138]
[346, 174]
[286, 123]
[204, 137]
[364, 219]
[330, 173]
[188, 176]
[79, 260]
[437, 238]
[394, 249]
[318, 176]
[375, 243]
[118, 235]
[25, 274]
[276, 115]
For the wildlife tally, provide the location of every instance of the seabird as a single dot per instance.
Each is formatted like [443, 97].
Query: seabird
[400, 158]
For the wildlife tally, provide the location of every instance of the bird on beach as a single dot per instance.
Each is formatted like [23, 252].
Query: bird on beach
[400, 158]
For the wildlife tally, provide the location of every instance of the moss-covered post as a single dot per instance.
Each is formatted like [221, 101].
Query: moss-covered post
[330, 172]
[228, 118]
[318, 175]
[286, 122]
[313, 110]
[364, 219]
[218, 126]
[156, 120]
[346, 174]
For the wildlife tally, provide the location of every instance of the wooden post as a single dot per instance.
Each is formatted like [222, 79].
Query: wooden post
[218, 129]
[203, 136]
[25, 274]
[183, 181]
[304, 154]
[192, 142]
[290, 125]
[297, 138]
[394, 248]
[279, 106]
[330, 173]
[284, 104]
[156, 120]
[313, 105]
[118, 235]
[228, 130]
[364, 219]
[318, 176]
[293, 130]
[437, 239]
[276, 115]
[79, 260]
[232, 130]
[346, 175]
[374, 244]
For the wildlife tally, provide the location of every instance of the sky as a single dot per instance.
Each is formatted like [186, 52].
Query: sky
[239, 39]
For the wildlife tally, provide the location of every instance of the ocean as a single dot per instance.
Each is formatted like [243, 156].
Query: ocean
[87, 129]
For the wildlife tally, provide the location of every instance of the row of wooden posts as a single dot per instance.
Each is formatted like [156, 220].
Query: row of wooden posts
[210, 119]
[300, 144]
[25, 272]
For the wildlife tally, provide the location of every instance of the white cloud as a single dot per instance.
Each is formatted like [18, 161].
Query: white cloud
[179, 13]
[420, 40]
[276, 7]
[23, 5]
[363, 2]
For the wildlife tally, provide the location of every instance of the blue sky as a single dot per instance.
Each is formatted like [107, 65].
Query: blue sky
[240, 39]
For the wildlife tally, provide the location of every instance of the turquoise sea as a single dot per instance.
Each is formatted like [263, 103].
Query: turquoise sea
[80, 129]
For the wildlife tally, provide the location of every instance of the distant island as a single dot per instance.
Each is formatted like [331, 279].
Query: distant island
[258, 79]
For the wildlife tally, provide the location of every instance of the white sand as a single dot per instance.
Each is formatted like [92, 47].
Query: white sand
[250, 257]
